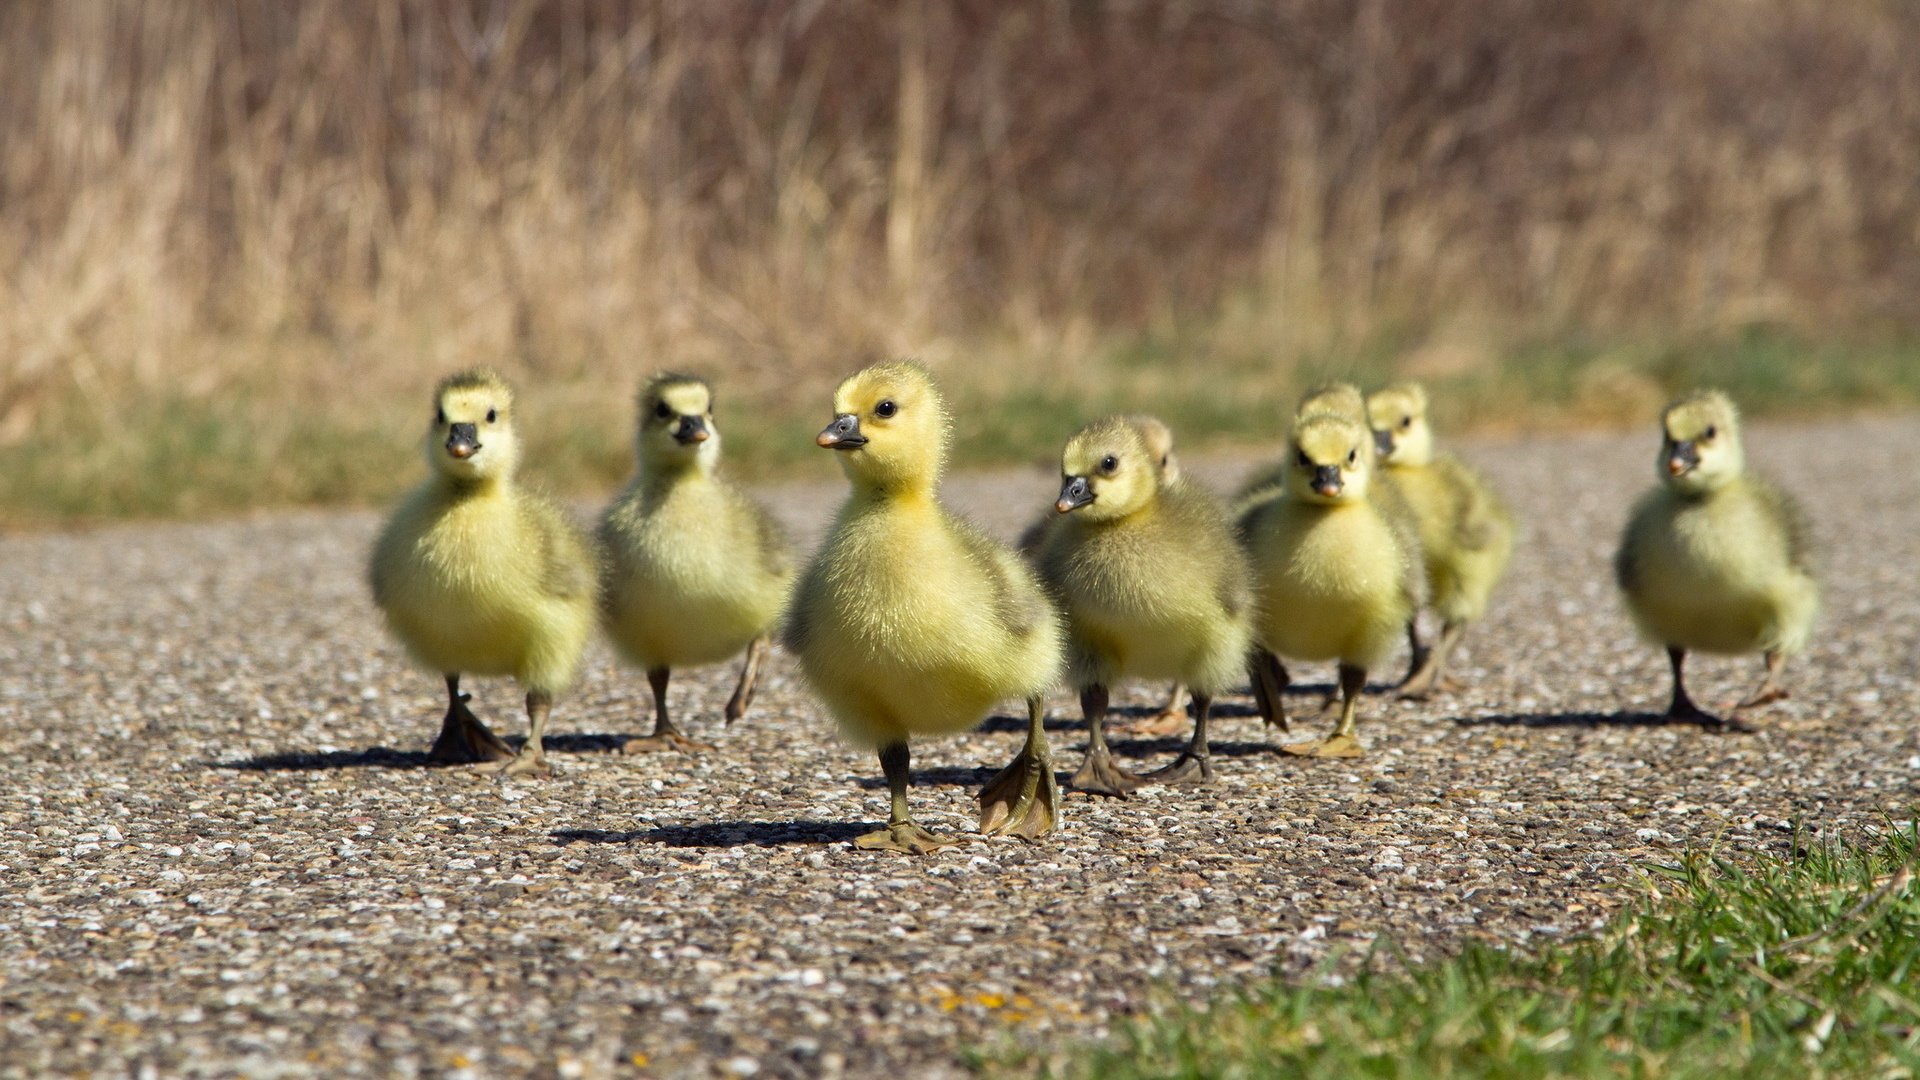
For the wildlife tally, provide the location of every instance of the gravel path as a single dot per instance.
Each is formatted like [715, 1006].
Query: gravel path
[221, 854]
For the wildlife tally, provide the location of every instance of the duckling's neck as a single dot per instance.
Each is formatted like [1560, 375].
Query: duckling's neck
[462, 488]
[894, 494]
[660, 476]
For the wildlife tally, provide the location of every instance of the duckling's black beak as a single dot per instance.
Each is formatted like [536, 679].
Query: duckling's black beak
[1075, 493]
[463, 440]
[842, 434]
[1682, 458]
[1383, 442]
[692, 429]
[1326, 480]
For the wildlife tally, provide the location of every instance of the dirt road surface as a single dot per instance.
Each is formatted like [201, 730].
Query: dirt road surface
[221, 853]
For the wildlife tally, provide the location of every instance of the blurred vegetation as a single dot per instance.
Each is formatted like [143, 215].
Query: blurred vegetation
[238, 243]
[1788, 968]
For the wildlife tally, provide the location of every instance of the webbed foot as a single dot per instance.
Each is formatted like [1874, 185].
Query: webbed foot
[1168, 721]
[662, 741]
[904, 837]
[1333, 746]
[1763, 697]
[1188, 768]
[1098, 775]
[524, 766]
[464, 740]
[1023, 800]
[1686, 712]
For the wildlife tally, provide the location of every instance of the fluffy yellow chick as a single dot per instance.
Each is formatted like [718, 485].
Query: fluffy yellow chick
[1466, 532]
[695, 571]
[1153, 584]
[476, 574]
[1715, 558]
[1172, 716]
[910, 622]
[1334, 578]
[1337, 398]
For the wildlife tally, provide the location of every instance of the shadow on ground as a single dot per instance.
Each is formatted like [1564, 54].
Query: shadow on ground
[386, 757]
[723, 834]
[1592, 720]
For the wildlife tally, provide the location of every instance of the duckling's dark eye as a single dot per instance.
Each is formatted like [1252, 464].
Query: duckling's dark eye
[885, 409]
[439, 416]
[1305, 461]
[1407, 423]
[663, 411]
[492, 416]
[1109, 463]
[1711, 432]
[1353, 457]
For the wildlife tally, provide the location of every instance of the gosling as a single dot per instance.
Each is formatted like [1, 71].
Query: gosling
[694, 570]
[478, 575]
[1172, 715]
[1334, 578]
[1715, 558]
[1337, 398]
[1465, 530]
[1345, 401]
[1153, 584]
[910, 622]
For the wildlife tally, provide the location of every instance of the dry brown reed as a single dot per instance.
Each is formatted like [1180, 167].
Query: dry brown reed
[322, 205]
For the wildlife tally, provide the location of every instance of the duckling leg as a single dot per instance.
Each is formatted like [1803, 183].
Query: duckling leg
[1430, 673]
[665, 735]
[1098, 774]
[1345, 740]
[1417, 651]
[1269, 678]
[531, 761]
[1024, 799]
[1171, 717]
[1769, 690]
[463, 739]
[901, 834]
[1195, 763]
[749, 676]
[1682, 707]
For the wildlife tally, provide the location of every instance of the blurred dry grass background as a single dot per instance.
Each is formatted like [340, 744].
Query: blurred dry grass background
[239, 241]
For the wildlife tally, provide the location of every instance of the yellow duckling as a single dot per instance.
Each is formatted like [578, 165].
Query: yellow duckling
[1153, 583]
[1466, 532]
[1715, 558]
[910, 622]
[1337, 398]
[1159, 441]
[1334, 578]
[1343, 400]
[695, 570]
[476, 574]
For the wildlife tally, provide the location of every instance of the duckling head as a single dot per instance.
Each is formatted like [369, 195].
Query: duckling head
[1337, 398]
[676, 423]
[1700, 448]
[1159, 439]
[472, 437]
[1107, 471]
[890, 427]
[1401, 433]
[1332, 460]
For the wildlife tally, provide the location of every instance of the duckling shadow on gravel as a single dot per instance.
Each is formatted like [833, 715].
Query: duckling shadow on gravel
[1174, 744]
[386, 757]
[722, 834]
[1590, 720]
[938, 776]
[1069, 720]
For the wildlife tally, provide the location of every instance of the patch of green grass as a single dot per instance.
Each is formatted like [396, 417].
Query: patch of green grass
[1776, 968]
[260, 445]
